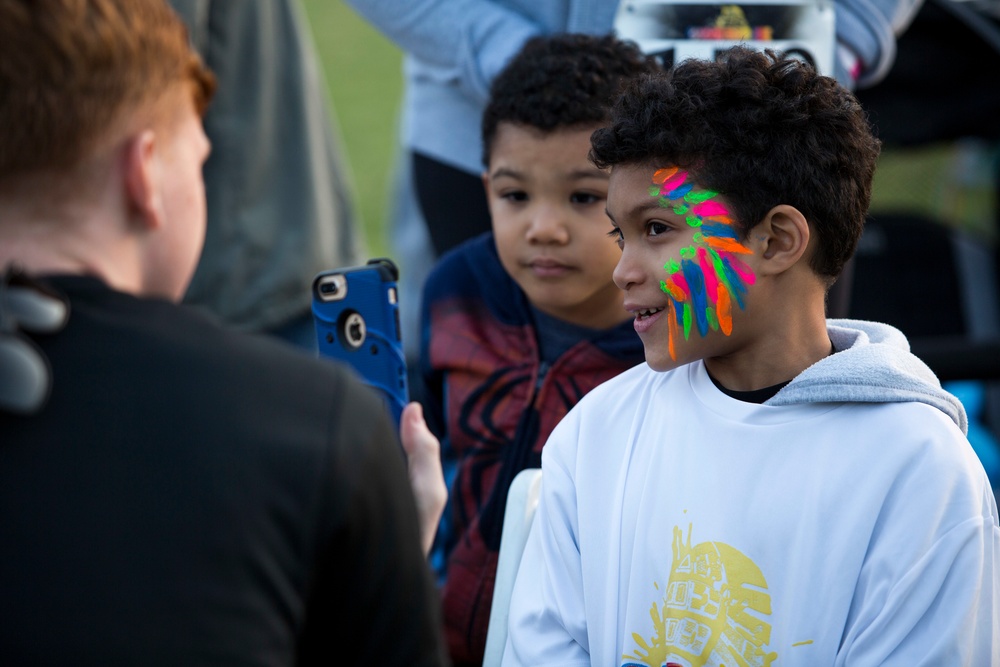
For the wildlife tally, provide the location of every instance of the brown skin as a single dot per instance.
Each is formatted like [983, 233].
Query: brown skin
[771, 341]
[547, 205]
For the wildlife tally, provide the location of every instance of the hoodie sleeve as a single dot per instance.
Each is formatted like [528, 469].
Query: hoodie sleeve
[470, 41]
[929, 593]
[866, 37]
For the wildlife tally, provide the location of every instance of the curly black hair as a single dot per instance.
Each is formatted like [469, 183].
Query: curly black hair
[762, 129]
[561, 81]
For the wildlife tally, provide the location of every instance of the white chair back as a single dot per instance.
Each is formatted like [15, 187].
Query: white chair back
[522, 500]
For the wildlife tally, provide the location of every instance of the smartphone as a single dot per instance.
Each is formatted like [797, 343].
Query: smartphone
[356, 313]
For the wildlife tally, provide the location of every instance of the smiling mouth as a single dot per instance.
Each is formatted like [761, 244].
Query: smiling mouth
[646, 313]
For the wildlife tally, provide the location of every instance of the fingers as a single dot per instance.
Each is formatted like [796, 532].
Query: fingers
[423, 454]
[411, 422]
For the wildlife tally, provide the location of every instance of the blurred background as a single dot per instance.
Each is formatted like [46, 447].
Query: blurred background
[363, 73]
[364, 76]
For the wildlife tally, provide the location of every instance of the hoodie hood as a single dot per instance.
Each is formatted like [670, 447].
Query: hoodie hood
[873, 364]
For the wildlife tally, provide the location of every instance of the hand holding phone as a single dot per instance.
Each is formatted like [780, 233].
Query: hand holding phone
[356, 313]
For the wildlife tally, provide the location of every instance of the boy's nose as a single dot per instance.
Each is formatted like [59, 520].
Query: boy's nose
[548, 224]
[626, 273]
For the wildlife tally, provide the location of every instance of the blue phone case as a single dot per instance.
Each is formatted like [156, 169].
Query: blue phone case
[356, 313]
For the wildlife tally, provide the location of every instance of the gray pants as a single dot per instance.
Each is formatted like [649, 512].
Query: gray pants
[280, 196]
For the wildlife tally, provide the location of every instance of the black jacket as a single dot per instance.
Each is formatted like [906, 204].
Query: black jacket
[194, 496]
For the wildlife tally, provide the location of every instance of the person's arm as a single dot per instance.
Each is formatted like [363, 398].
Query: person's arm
[945, 610]
[423, 461]
[432, 397]
[471, 40]
[371, 591]
[929, 590]
[866, 37]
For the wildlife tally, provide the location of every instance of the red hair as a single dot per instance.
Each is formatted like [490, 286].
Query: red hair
[71, 72]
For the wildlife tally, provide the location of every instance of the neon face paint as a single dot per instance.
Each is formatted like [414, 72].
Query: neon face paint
[709, 277]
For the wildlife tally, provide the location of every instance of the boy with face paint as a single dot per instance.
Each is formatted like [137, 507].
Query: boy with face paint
[771, 487]
[524, 320]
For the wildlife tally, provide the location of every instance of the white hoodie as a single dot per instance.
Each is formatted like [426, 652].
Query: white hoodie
[846, 521]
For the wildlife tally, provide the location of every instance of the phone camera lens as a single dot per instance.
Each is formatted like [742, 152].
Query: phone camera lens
[328, 288]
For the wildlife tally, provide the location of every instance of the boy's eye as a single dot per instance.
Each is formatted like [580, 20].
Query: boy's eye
[655, 228]
[515, 195]
[584, 198]
[616, 235]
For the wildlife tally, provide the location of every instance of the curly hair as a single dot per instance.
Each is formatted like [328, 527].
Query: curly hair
[762, 129]
[561, 81]
[70, 70]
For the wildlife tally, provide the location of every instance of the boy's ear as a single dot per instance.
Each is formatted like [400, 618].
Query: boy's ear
[784, 233]
[142, 180]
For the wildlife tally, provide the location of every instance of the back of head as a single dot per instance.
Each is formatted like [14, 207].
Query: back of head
[71, 71]
[561, 81]
[762, 130]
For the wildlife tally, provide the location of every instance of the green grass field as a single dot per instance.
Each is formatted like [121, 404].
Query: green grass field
[364, 75]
